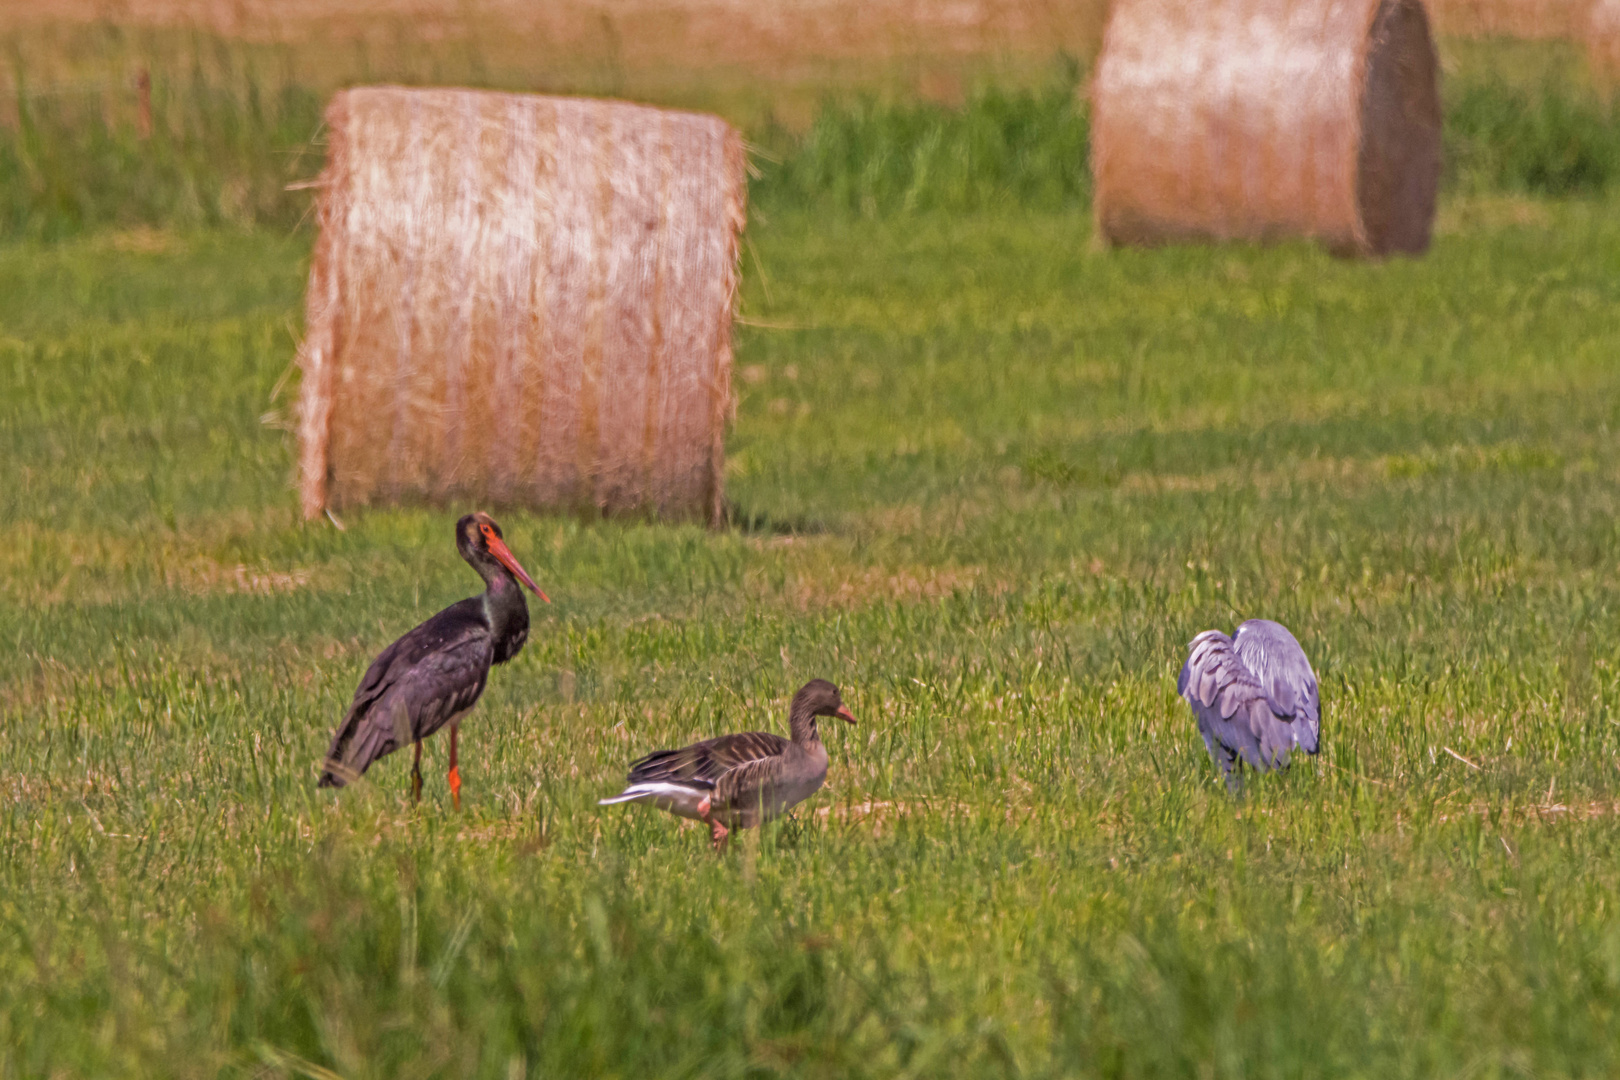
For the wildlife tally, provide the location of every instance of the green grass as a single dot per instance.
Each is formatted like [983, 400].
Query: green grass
[993, 480]
[226, 140]
[1028, 148]
[234, 125]
[1547, 140]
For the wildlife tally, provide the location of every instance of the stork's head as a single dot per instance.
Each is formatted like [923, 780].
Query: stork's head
[479, 540]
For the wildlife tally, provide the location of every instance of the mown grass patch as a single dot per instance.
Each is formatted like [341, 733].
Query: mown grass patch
[1011, 475]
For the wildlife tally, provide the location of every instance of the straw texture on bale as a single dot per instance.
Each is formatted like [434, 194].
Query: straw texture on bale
[1603, 43]
[1265, 119]
[520, 298]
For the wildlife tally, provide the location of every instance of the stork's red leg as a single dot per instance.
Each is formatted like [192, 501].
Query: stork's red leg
[416, 774]
[455, 773]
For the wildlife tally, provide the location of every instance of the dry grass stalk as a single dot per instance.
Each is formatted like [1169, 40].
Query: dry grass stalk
[522, 299]
[1264, 119]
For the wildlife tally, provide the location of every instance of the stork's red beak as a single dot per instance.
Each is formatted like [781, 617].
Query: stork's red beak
[844, 714]
[498, 548]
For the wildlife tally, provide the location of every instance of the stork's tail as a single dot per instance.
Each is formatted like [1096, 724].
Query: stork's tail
[336, 774]
[350, 757]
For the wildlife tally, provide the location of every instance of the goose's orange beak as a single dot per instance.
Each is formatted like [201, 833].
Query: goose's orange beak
[498, 548]
[844, 714]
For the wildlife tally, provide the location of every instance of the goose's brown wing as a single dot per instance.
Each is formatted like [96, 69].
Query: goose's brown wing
[703, 764]
[750, 784]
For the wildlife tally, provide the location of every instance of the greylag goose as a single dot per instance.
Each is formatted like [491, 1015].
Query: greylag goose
[433, 675]
[740, 781]
[1255, 697]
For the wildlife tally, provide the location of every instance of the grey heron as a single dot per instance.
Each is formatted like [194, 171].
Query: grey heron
[1255, 697]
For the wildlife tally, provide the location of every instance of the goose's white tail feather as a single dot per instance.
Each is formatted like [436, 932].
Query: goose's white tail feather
[679, 799]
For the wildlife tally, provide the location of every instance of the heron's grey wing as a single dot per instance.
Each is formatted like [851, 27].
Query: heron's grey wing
[1275, 657]
[1230, 705]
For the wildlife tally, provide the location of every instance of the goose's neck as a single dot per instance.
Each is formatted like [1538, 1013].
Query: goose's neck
[802, 722]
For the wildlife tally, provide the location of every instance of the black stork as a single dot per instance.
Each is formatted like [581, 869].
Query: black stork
[435, 674]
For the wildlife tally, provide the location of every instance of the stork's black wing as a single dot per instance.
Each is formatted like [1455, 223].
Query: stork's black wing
[412, 689]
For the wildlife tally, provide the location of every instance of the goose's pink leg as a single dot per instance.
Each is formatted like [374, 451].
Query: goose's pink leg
[717, 831]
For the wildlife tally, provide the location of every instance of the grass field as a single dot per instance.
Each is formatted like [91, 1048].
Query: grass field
[990, 480]
[235, 135]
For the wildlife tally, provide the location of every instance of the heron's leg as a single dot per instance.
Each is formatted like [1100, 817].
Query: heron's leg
[1223, 756]
[455, 773]
[1234, 778]
[416, 774]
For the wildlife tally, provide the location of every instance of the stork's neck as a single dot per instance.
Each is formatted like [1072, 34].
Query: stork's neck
[504, 606]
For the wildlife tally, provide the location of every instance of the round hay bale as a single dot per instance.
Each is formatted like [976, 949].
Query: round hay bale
[1265, 119]
[1602, 33]
[522, 299]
